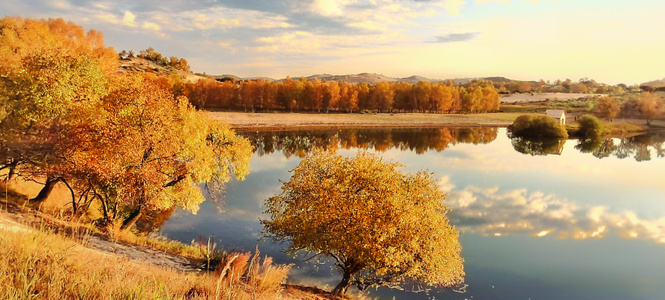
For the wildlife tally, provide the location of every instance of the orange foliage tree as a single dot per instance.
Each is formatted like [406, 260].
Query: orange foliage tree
[606, 107]
[316, 95]
[66, 115]
[51, 72]
[651, 106]
[380, 226]
[149, 151]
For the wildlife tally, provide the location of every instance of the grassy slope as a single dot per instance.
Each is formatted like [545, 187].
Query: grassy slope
[40, 263]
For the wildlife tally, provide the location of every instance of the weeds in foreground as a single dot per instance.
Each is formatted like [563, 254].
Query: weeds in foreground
[42, 265]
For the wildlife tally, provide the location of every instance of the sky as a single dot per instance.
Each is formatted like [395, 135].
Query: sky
[610, 41]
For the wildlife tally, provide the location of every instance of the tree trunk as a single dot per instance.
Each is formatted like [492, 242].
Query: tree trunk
[350, 268]
[105, 208]
[71, 191]
[133, 217]
[12, 170]
[46, 190]
[341, 288]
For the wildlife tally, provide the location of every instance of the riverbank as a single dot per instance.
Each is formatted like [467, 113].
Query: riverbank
[51, 257]
[274, 121]
[241, 120]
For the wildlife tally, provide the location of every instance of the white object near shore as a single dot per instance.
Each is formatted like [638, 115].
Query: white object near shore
[558, 114]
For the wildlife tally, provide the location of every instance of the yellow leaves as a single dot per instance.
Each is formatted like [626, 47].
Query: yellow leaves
[606, 107]
[149, 147]
[363, 208]
[166, 147]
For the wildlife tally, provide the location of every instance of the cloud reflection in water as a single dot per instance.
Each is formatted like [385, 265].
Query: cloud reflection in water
[488, 211]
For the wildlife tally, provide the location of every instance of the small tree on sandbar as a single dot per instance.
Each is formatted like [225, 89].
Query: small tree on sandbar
[380, 226]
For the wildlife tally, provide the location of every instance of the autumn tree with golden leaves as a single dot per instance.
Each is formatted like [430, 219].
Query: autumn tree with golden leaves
[125, 141]
[315, 95]
[651, 106]
[606, 107]
[149, 151]
[380, 226]
[51, 73]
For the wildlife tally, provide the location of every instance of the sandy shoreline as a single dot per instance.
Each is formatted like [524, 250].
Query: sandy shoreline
[240, 120]
[537, 97]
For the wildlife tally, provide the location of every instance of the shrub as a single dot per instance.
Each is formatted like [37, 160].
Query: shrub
[590, 127]
[538, 126]
[382, 227]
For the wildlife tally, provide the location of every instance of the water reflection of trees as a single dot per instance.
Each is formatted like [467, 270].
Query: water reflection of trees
[538, 146]
[419, 140]
[639, 147]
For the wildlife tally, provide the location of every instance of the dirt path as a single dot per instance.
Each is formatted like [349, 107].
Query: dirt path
[22, 222]
[141, 254]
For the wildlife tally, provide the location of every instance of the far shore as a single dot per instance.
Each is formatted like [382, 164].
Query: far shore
[245, 121]
[537, 97]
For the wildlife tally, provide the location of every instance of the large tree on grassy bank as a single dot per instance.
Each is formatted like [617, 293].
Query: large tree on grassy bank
[651, 106]
[66, 115]
[380, 226]
[149, 151]
[51, 73]
[606, 107]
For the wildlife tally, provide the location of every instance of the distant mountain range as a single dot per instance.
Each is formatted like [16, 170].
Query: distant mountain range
[655, 84]
[142, 65]
[371, 78]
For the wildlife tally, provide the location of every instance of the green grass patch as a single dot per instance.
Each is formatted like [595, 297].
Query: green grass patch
[619, 129]
[611, 129]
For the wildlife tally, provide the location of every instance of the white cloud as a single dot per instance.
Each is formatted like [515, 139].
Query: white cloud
[151, 26]
[129, 19]
[222, 18]
[445, 185]
[503, 1]
[62, 4]
[488, 1]
[453, 6]
[308, 42]
[369, 25]
[108, 17]
[329, 7]
[271, 22]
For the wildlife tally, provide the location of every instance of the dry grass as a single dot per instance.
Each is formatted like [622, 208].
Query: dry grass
[50, 263]
[263, 277]
[56, 214]
[500, 117]
[520, 98]
[355, 120]
[43, 265]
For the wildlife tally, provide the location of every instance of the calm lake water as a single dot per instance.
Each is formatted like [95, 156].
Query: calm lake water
[552, 220]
